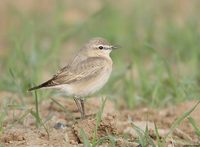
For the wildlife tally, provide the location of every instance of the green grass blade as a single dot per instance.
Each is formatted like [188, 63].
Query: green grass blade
[194, 125]
[140, 133]
[37, 115]
[2, 118]
[148, 137]
[98, 120]
[86, 142]
[180, 119]
[20, 118]
[104, 139]
[159, 143]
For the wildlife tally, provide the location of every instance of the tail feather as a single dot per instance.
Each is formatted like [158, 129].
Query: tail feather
[35, 88]
[45, 84]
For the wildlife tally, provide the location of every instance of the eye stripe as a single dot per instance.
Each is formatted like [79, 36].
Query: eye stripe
[102, 47]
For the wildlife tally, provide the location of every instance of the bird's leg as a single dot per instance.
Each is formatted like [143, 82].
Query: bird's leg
[78, 105]
[83, 107]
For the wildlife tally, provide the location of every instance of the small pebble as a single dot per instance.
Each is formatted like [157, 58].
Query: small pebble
[59, 125]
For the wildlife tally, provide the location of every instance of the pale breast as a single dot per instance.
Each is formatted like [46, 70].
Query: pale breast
[97, 84]
[92, 85]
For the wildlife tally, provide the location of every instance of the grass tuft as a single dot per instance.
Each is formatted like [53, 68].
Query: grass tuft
[98, 120]
[85, 139]
[144, 139]
[35, 113]
[159, 142]
[178, 121]
[194, 125]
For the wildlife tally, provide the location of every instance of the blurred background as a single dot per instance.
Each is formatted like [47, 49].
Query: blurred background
[157, 65]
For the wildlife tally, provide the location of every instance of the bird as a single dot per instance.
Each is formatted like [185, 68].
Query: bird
[86, 74]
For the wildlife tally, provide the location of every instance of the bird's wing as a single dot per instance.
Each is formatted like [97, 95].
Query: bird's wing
[83, 70]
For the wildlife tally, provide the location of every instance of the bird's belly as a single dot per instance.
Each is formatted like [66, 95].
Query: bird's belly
[90, 86]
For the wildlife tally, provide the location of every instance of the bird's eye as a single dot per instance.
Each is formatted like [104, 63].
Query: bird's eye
[100, 47]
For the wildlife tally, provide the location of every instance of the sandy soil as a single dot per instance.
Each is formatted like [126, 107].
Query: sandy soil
[118, 123]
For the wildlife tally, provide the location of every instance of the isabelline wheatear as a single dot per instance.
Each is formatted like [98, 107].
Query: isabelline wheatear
[87, 73]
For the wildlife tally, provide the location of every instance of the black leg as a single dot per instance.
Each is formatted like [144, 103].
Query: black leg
[83, 107]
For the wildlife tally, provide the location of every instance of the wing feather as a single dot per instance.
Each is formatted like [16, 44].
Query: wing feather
[85, 69]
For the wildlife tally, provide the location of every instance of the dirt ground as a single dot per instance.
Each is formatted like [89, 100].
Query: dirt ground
[118, 123]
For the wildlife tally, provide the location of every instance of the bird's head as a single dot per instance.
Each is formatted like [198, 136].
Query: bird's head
[98, 47]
